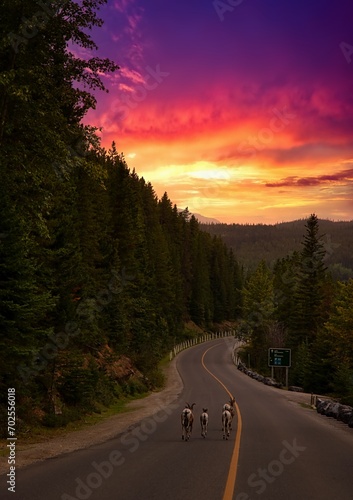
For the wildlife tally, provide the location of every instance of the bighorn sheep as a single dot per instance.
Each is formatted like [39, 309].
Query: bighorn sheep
[187, 419]
[231, 408]
[226, 421]
[204, 422]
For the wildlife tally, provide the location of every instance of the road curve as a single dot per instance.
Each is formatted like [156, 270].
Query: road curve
[277, 450]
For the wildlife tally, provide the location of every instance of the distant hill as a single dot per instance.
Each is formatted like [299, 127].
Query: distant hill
[201, 218]
[205, 220]
[253, 242]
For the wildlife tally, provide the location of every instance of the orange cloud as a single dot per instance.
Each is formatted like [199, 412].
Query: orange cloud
[226, 158]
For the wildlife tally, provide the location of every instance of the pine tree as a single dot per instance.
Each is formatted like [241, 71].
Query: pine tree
[24, 303]
[308, 310]
[338, 335]
[201, 303]
[258, 311]
[285, 271]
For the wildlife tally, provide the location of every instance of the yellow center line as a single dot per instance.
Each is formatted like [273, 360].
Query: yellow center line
[233, 468]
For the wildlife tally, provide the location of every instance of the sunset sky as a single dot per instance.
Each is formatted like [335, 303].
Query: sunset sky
[242, 110]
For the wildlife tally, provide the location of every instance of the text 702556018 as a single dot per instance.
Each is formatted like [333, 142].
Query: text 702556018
[11, 431]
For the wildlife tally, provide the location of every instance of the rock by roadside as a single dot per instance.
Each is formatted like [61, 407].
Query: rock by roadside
[265, 380]
[109, 428]
[323, 406]
[333, 409]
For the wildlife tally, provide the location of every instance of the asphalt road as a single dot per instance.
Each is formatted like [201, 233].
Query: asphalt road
[278, 450]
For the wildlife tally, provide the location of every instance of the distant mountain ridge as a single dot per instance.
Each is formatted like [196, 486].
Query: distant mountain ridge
[205, 220]
[201, 218]
[253, 242]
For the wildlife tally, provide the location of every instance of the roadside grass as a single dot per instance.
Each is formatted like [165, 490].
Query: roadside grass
[40, 434]
[306, 405]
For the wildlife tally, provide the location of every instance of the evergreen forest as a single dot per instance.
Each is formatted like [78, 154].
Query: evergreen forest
[100, 278]
[298, 304]
[269, 242]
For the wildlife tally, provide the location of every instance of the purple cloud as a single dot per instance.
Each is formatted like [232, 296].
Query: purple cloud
[342, 176]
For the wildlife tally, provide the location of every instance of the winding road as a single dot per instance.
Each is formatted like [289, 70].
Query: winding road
[278, 449]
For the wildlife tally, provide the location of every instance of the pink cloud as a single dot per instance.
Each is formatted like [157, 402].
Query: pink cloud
[122, 5]
[132, 75]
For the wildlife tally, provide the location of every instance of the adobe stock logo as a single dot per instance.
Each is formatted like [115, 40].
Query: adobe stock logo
[268, 475]
[99, 472]
[228, 6]
[347, 51]
[128, 102]
[151, 81]
[31, 27]
[279, 121]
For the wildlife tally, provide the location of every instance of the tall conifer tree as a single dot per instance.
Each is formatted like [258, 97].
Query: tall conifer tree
[308, 314]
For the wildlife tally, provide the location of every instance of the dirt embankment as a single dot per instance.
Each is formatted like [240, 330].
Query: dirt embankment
[107, 429]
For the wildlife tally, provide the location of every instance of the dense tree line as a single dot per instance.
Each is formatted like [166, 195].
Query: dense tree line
[296, 304]
[97, 275]
[254, 242]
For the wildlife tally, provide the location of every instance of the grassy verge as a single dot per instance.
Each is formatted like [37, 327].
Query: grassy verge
[40, 434]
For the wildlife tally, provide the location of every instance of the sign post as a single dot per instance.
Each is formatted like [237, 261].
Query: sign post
[279, 357]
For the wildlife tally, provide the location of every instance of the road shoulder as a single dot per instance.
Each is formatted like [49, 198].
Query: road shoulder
[103, 431]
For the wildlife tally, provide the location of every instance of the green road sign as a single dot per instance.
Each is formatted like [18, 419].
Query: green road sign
[279, 357]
